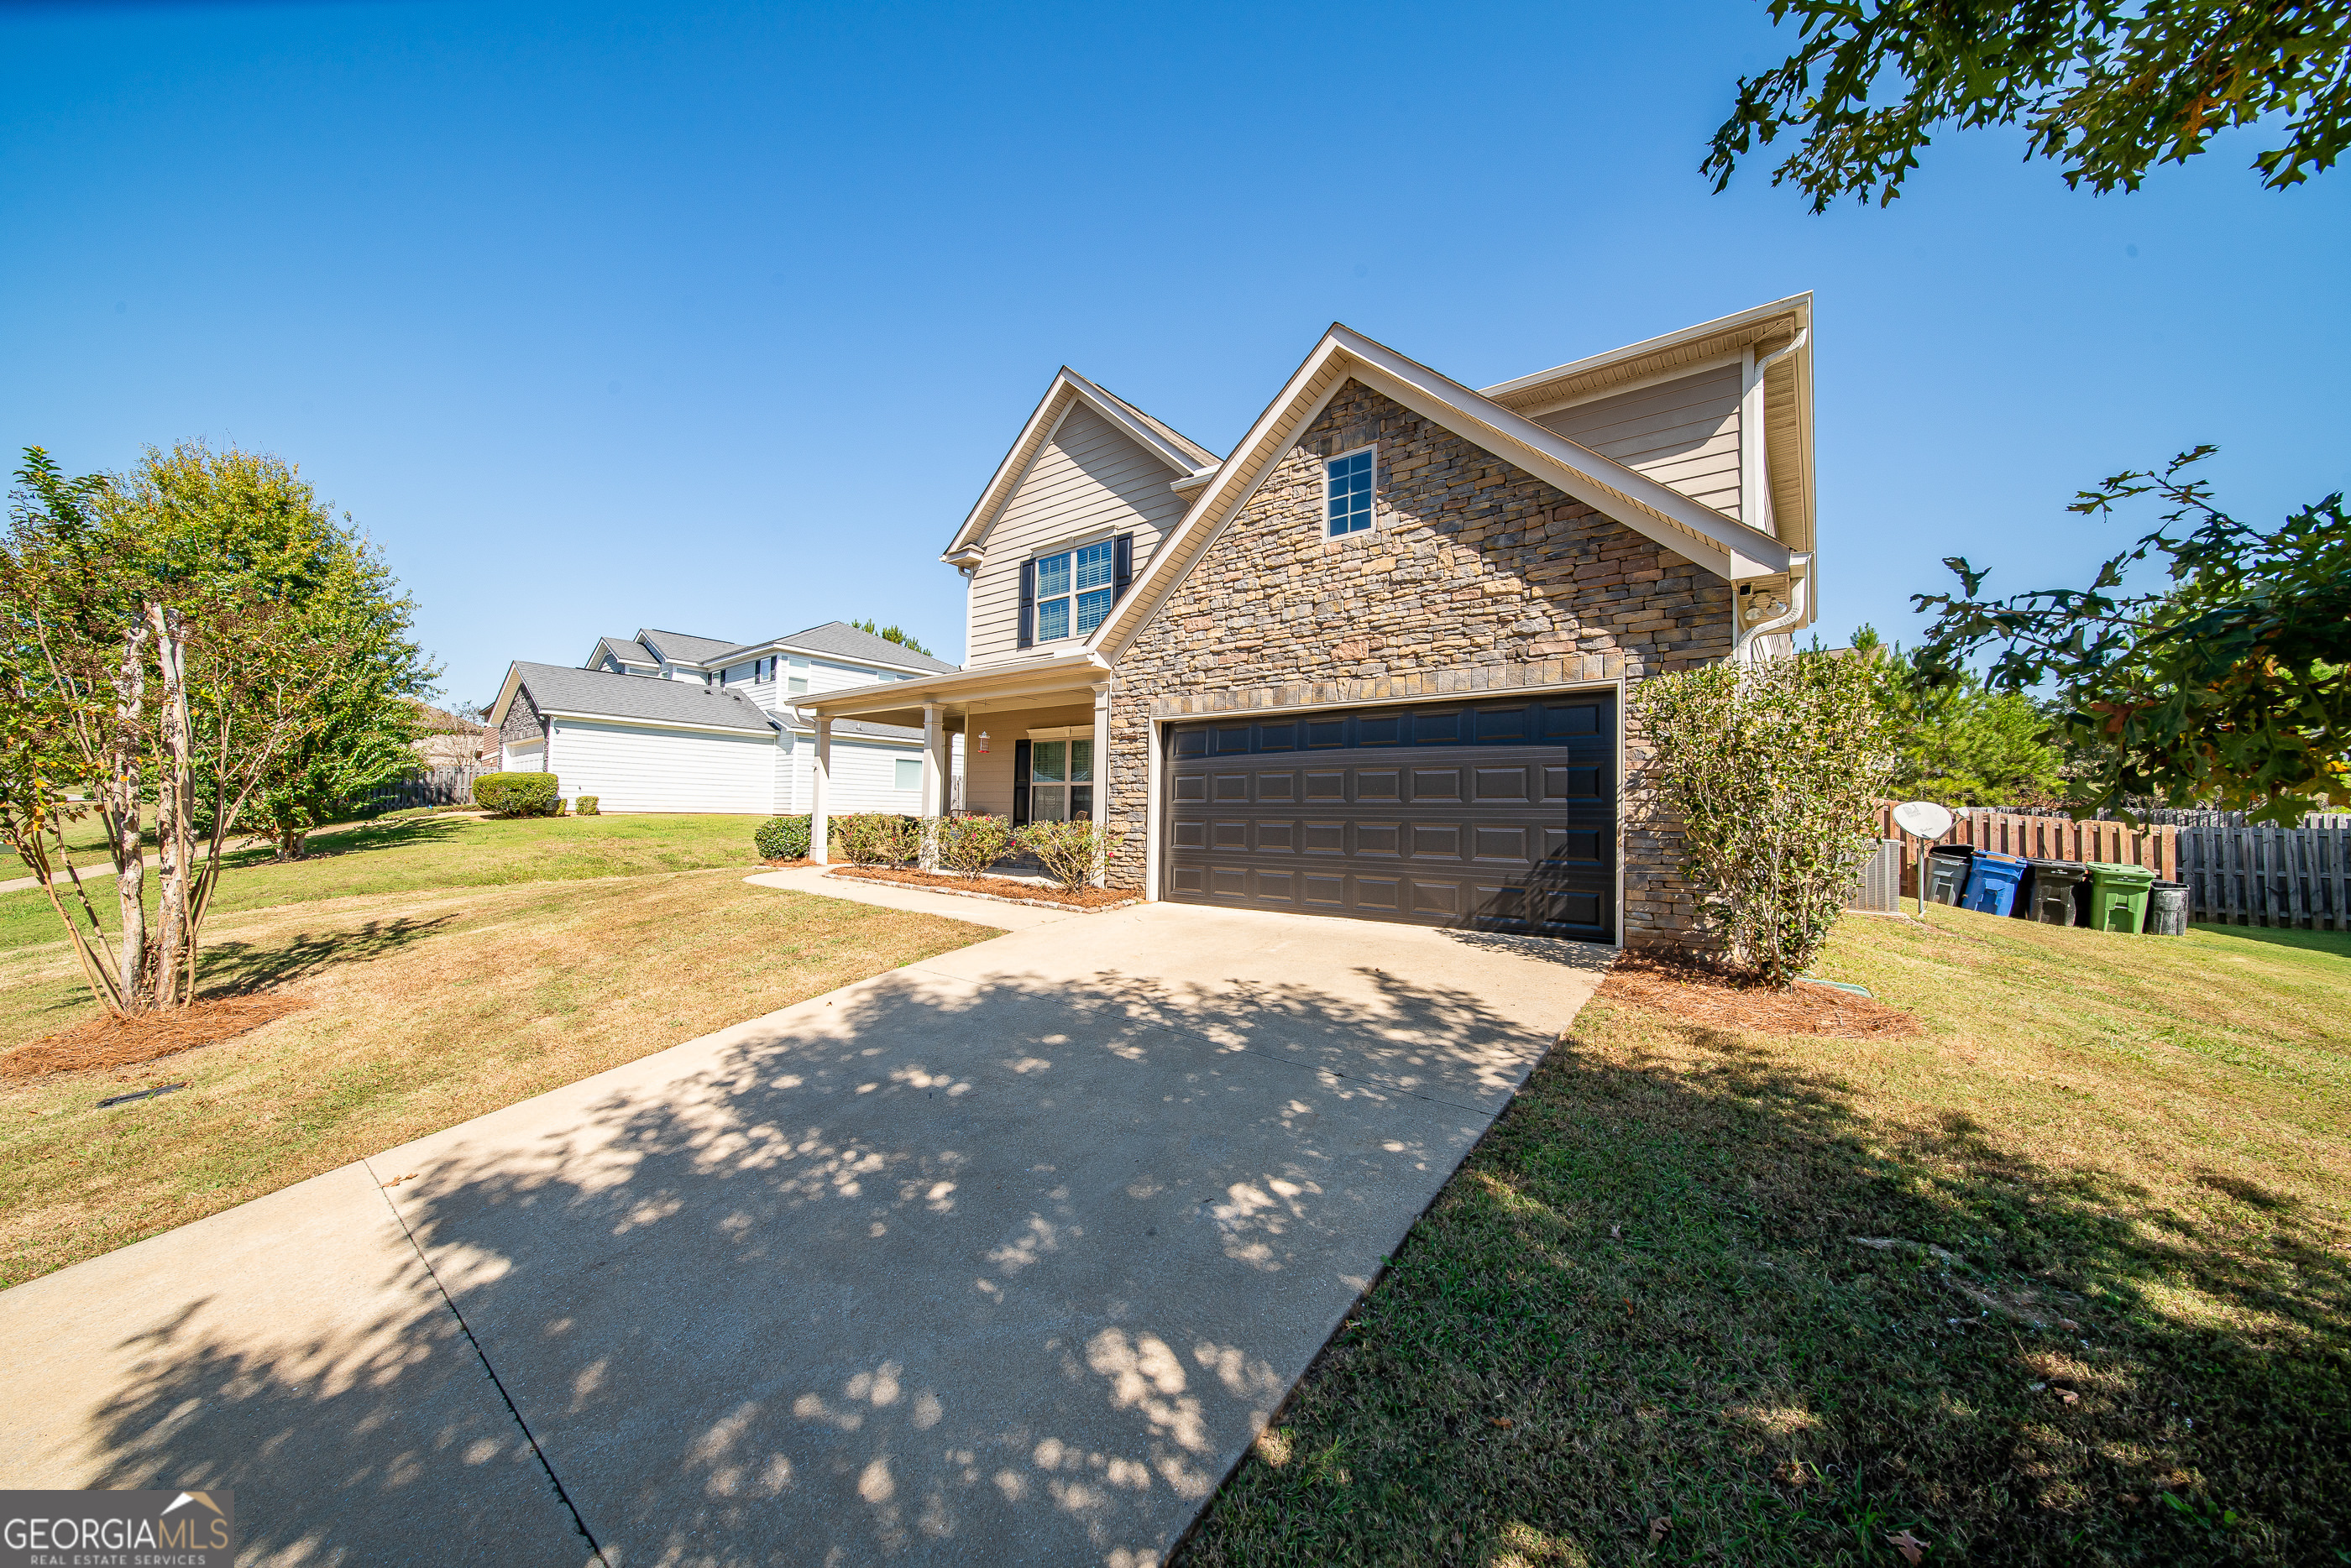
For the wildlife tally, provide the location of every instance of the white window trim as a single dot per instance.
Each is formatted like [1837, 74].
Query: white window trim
[1062, 732]
[1379, 512]
[1070, 547]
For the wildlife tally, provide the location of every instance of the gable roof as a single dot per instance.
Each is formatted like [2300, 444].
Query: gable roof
[1777, 335]
[1186, 456]
[839, 637]
[560, 688]
[677, 645]
[627, 649]
[1729, 548]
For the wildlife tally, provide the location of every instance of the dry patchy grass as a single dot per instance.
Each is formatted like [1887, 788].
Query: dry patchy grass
[2065, 1277]
[424, 1009]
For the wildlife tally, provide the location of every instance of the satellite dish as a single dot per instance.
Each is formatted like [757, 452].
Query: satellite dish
[1922, 819]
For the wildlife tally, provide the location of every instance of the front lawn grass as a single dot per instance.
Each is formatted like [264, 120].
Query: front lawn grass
[427, 1005]
[432, 852]
[1640, 1324]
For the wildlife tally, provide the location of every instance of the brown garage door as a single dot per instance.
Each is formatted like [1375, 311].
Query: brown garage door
[1494, 815]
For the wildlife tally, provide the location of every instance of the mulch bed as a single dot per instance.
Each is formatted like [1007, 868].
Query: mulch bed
[1700, 994]
[992, 886]
[110, 1042]
[787, 865]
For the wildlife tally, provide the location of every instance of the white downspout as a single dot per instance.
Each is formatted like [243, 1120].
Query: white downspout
[1743, 640]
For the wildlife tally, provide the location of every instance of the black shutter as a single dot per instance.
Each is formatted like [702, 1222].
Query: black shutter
[1122, 565]
[1027, 628]
[1020, 769]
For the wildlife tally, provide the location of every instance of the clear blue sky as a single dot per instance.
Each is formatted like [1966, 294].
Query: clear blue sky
[717, 318]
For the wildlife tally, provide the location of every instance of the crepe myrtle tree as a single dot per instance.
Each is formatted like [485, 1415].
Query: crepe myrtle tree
[1771, 774]
[157, 645]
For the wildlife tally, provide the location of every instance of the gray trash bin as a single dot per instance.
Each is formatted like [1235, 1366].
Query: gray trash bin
[2051, 897]
[1947, 866]
[2166, 909]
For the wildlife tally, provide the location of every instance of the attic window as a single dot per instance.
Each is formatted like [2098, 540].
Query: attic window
[1347, 493]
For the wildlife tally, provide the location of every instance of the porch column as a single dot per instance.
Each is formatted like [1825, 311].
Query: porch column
[1102, 772]
[934, 778]
[819, 790]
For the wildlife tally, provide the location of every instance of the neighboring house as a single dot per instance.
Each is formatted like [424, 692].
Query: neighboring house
[445, 741]
[1375, 661]
[665, 721]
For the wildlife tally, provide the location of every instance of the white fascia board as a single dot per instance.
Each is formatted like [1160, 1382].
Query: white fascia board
[1729, 549]
[507, 690]
[1797, 303]
[1225, 493]
[946, 686]
[1068, 388]
[628, 722]
[1602, 483]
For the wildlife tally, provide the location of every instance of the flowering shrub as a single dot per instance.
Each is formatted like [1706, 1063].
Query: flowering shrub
[1072, 852]
[970, 844]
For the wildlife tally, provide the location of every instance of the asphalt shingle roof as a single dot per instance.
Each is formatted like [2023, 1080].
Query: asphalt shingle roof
[629, 649]
[567, 690]
[678, 645]
[843, 640]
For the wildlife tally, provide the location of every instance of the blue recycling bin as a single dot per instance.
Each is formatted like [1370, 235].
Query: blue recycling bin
[1991, 889]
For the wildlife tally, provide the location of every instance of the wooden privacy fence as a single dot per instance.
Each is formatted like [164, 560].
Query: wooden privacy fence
[2237, 873]
[2157, 847]
[2244, 874]
[430, 786]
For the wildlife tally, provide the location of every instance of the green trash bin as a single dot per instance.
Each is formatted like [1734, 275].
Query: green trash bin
[2118, 897]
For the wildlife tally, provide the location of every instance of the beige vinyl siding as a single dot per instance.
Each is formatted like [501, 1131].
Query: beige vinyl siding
[1683, 432]
[1089, 480]
[987, 780]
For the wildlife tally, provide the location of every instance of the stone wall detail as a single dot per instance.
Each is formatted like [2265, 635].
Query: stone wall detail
[1476, 577]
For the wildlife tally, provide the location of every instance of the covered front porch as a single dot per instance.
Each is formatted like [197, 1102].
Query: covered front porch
[1036, 739]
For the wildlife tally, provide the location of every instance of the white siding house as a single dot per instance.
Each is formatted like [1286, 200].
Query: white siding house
[665, 721]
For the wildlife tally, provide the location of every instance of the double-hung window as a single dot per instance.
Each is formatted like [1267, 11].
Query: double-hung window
[1347, 494]
[1060, 780]
[1074, 590]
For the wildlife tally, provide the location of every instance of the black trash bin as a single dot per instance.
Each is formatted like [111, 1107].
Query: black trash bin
[2166, 909]
[2054, 885]
[1947, 866]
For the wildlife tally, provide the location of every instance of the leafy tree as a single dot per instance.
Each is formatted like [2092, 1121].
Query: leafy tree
[2103, 88]
[1954, 739]
[2230, 686]
[893, 634]
[154, 642]
[1769, 773]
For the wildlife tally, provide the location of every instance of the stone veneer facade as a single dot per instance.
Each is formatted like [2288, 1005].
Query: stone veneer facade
[1476, 577]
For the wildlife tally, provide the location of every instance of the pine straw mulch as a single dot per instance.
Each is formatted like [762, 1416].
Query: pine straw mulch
[1698, 992]
[992, 886]
[110, 1042]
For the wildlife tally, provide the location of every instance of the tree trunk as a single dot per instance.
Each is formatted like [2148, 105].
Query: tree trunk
[174, 793]
[120, 800]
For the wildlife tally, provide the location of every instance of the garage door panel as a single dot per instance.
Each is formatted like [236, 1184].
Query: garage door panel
[1496, 815]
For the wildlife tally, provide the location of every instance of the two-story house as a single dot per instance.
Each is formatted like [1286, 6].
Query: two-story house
[1374, 661]
[665, 721]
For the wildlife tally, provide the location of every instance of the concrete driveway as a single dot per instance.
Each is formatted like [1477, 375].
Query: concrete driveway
[1003, 1257]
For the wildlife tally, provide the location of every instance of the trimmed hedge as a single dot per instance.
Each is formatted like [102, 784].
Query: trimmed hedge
[782, 839]
[588, 806]
[517, 795]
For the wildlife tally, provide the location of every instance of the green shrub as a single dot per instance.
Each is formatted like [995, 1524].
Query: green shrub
[1769, 773]
[970, 844]
[517, 795]
[588, 806]
[782, 839]
[1072, 851]
[878, 838]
